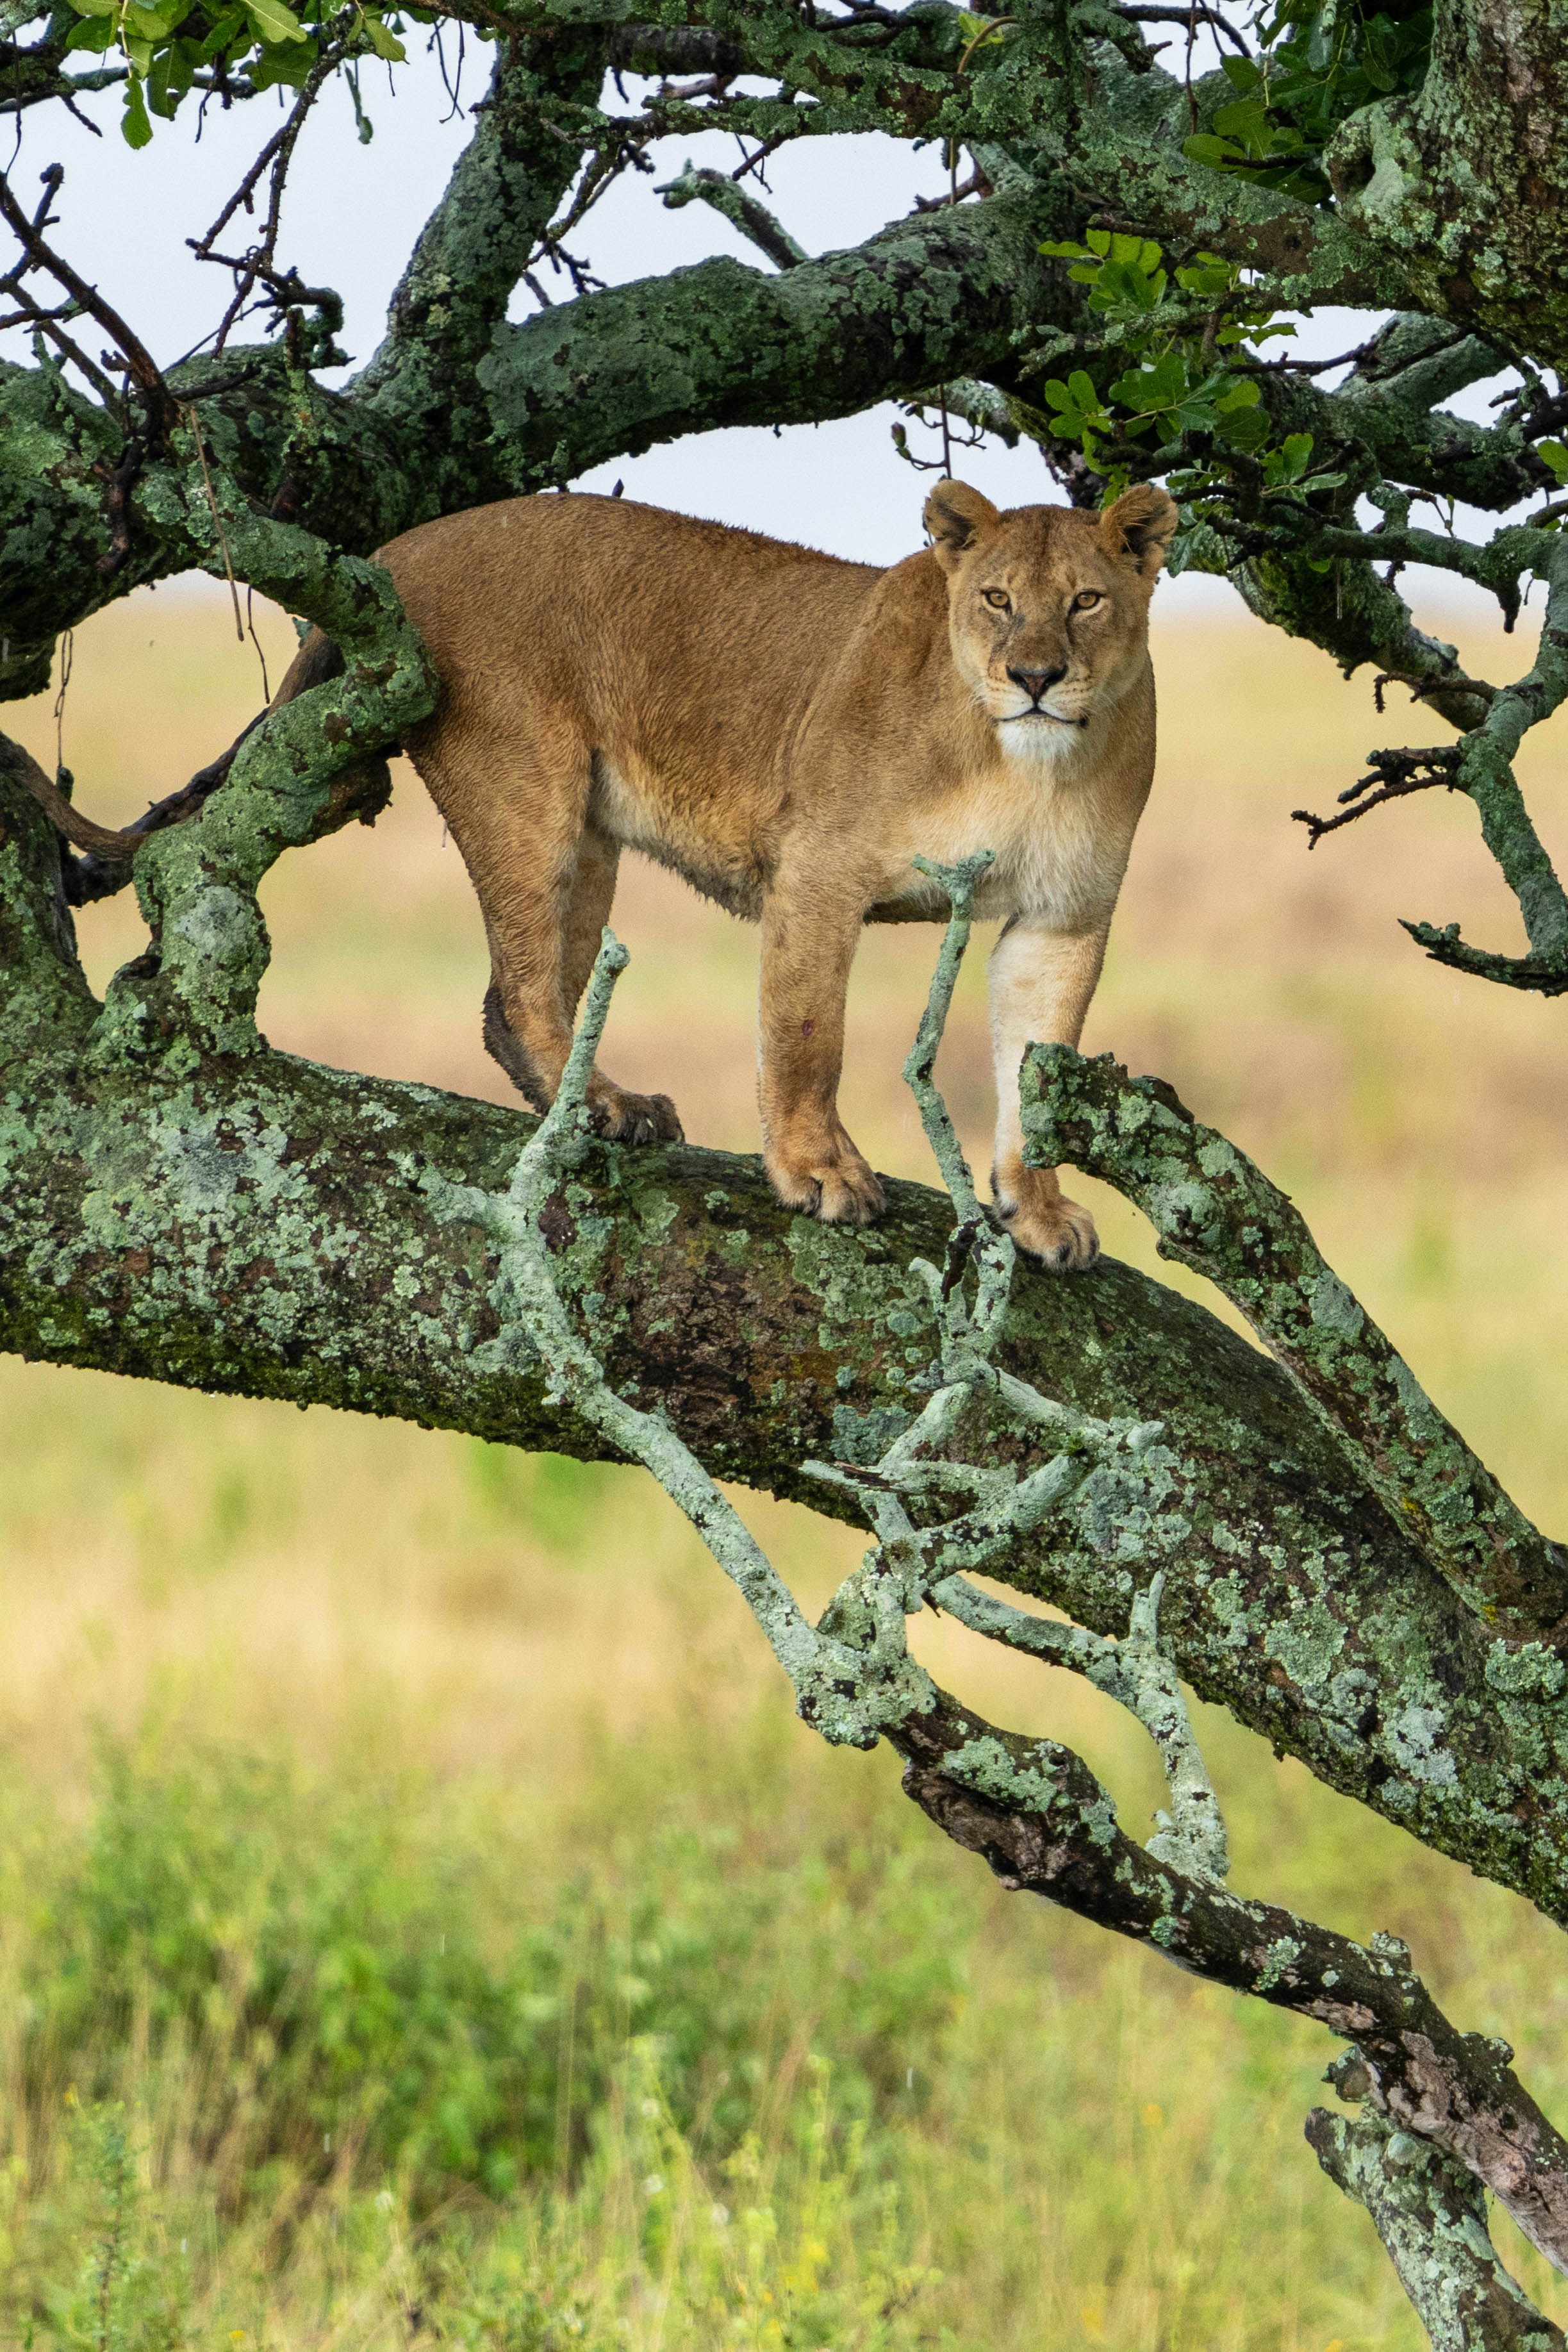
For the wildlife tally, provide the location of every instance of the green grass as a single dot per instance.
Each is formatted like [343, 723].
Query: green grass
[717, 2046]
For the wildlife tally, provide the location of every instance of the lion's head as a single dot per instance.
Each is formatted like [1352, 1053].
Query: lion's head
[1048, 607]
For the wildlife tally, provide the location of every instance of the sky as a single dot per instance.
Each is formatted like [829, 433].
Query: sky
[352, 212]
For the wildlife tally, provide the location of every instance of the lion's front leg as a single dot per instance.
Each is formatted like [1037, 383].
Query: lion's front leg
[1041, 984]
[811, 926]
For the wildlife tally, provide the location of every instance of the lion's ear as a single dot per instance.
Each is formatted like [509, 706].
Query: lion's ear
[1141, 525]
[956, 516]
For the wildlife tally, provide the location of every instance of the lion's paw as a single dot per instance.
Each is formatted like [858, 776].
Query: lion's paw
[622, 1117]
[1058, 1232]
[835, 1186]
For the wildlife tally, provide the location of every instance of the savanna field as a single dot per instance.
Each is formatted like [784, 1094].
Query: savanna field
[423, 1921]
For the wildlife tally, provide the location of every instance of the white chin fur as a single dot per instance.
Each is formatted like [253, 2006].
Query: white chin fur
[1040, 737]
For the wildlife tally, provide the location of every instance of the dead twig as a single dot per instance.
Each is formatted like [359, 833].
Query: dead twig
[259, 266]
[1421, 687]
[1136, 12]
[1393, 775]
[139, 365]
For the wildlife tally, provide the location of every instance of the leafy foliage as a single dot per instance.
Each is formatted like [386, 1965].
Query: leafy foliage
[1319, 61]
[1182, 406]
[170, 48]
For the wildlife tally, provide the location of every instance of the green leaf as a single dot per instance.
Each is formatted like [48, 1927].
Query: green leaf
[275, 21]
[383, 40]
[1241, 73]
[134, 126]
[1245, 429]
[1208, 278]
[227, 29]
[288, 68]
[153, 24]
[1555, 453]
[173, 68]
[1155, 385]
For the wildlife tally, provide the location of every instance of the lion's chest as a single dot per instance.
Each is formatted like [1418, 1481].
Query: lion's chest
[1059, 852]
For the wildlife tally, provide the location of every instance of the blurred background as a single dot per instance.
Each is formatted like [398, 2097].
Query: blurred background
[421, 1918]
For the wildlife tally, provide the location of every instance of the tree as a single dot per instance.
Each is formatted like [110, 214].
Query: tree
[1305, 1539]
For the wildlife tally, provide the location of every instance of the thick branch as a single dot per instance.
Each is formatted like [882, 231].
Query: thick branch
[1430, 2214]
[453, 296]
[1037, 1814]
[596, 378]
[1214, 1211]
[1467, 181]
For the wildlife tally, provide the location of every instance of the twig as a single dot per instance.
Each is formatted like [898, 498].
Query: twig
[739, 207]
[67, 659]
[1423, 688]
[1394, 775]
[141, 366]
[258, 266]
[217, 521]
[1136, 12]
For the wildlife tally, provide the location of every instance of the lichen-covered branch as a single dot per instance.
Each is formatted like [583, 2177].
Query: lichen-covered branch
[1430, 2214]
[451, 299]
[1213, 1209]
[1485, 771]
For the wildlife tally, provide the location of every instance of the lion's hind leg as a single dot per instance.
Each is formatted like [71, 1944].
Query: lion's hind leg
[616, 1113]
[517, 803]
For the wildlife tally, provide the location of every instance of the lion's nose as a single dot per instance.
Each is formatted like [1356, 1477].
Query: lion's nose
[1036, 682]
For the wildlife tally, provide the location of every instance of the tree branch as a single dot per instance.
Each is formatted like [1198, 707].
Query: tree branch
[452, 298]
[1465, 181]
[1032, 1807]
[739, 207]
[1430, 2214]
[1215, 1211]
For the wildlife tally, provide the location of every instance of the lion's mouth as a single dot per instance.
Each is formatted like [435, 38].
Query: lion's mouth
[1055, 717]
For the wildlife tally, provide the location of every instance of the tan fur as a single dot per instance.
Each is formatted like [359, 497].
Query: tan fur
[787, 731]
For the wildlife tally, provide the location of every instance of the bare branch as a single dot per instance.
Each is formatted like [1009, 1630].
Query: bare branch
[143, 371]
[739, 207]
[1141, 12]
[1394, 774]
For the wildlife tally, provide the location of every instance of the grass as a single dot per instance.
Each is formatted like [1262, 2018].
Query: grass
[422, 1921]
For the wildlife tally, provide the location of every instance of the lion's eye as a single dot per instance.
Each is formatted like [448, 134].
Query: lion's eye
[1086, 600]
[998, 600]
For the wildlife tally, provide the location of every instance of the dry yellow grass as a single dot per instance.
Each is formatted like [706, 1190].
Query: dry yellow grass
[338, 1590]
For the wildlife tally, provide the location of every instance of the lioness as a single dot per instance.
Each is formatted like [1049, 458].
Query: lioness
[787, 731]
